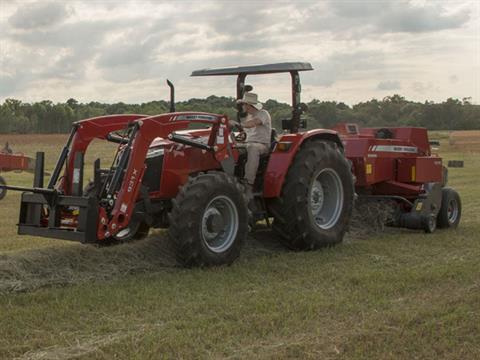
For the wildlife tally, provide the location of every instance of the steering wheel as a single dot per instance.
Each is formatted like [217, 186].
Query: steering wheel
[241, 136]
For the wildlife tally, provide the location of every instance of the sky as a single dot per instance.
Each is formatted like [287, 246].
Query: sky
[123, 51]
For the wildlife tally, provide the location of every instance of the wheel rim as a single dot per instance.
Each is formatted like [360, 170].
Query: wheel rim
[124, 234]
[326, 198]
[219, 224]
[128, 232]
[452, 211]
[432, 223]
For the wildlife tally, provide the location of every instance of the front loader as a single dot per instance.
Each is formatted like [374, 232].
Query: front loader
[190, 181]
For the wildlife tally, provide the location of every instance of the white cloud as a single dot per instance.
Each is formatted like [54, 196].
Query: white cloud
[38, 15]
[389, 85]
[111, 51]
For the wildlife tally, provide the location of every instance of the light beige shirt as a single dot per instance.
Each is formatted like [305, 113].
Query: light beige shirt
[259, 133]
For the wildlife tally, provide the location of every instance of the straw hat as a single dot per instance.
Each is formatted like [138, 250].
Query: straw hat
[250, 99]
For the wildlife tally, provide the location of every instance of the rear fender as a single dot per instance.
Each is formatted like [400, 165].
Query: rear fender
[280, 161]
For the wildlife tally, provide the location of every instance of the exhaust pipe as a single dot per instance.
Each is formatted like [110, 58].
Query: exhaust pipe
[172, 96]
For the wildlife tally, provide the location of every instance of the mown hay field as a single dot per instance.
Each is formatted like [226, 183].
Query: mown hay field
[465, 140]
[394, 294]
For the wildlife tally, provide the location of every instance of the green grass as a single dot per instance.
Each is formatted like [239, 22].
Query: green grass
[399, 294]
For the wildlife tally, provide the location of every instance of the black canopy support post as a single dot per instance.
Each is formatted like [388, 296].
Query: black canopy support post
[240, 91]
[77, 181]
[38, 176]
[172, 96]
[62, 158]
[296, 110]
[39, 170]
[96, 174]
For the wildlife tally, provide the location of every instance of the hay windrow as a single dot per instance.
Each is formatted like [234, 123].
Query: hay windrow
[370, 217]
[76, 264]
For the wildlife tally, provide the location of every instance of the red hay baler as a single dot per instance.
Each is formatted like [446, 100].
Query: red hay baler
[396, 165]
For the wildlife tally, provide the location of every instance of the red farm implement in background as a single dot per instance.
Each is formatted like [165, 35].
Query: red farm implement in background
[10, 161]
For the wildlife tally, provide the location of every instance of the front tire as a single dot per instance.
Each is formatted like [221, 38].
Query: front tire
[317, 198]
[209, 220]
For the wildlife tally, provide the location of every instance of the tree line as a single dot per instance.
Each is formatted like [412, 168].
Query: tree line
[47, 117]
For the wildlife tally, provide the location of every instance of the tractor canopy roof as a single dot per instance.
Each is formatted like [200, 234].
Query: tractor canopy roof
[255, 69]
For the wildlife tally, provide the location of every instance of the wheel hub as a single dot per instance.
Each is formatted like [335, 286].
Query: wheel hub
[326, 198]
[214, 222]
[219, 224]
[317, 196]
[452, 211]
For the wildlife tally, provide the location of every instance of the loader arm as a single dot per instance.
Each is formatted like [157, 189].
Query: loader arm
[132, 164]
[63, 211]
[100, 128]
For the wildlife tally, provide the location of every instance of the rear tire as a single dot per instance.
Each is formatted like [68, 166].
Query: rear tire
[3, 191]
[209, 220]
[450, 210]
[317, 198]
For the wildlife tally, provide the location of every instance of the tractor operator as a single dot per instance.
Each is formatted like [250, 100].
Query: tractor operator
[258, 128]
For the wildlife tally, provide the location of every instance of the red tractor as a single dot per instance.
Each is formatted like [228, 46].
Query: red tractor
[166, 175]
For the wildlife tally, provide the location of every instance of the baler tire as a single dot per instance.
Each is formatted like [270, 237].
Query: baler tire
[450, 210]
[3, 191]
[430, 224]
[298, 218]
[209, 220]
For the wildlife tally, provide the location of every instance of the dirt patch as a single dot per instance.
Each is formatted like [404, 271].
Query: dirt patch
[465, 140]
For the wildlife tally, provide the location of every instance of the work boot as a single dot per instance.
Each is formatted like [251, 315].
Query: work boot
[250, 198]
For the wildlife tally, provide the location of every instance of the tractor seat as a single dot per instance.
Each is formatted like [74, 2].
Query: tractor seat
[263, 161]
